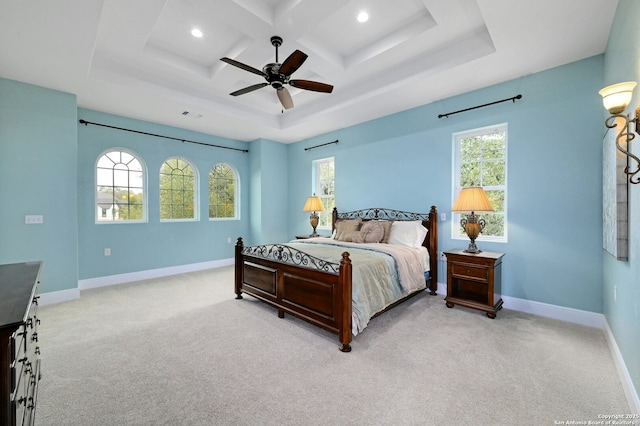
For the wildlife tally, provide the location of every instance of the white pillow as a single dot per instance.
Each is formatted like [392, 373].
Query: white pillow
[408, 233]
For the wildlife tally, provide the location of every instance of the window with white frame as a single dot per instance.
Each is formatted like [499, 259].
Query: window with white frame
[178, 195]
[481, 160]
[120, 188]
[324, 187]
[223, 192]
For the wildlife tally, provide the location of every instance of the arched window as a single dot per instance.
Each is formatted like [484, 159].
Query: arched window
[178, 195]
[223, 192]
[120, 188]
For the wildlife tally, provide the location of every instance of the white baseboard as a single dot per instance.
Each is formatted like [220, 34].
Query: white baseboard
[561, 313]
[151, 273]
[627, 384]
[74, 293]
[577, 316]
[54, 297]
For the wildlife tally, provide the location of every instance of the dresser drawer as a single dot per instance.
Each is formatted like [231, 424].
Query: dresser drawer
[469, 271]
[20, 395]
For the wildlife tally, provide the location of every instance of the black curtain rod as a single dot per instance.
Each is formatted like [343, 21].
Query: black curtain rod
[85, 122]
[318, 146]
[481, 106]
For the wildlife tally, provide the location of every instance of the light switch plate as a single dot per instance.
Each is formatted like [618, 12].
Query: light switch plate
[32, 219]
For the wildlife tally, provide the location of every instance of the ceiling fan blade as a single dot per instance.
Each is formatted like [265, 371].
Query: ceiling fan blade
[242, 66]
[311, 85]
[248, 89]
[285, 98]
[292, 63]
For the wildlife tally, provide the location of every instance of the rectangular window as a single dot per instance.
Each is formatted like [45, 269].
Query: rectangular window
[324, 187]
[480, 159]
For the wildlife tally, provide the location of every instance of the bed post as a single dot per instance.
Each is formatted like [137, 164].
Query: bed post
[344, 333]
[334, 219]
[239, 268]
[433, 244]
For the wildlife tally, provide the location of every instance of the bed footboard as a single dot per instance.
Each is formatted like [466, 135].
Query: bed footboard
[299, 284]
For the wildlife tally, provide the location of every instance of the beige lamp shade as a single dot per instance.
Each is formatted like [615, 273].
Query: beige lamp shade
[472, 199]
[313, 204]
[617, 96]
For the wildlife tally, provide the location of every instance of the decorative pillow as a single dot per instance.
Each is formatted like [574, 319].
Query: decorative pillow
[370, 232]
[346, 228]
[408, 233]
[386, 225]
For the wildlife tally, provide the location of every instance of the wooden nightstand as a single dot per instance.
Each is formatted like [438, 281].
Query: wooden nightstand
[474, 280]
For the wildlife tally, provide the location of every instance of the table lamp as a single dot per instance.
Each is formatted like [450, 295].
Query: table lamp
[313, 205]
[472, 200]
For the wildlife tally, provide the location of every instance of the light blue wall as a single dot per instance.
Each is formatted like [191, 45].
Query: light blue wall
[269, 192]
[145, 246]
[623, 315]
[404, 161]
[38, 176]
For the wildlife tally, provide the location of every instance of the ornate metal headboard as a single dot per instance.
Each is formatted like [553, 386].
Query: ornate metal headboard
[429, 221]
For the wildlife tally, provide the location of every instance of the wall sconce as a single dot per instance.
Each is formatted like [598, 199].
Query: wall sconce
[470, 201]
[313, 205]
[615, 99]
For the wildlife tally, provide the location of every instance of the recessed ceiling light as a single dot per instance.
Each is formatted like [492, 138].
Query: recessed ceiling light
[196, 33]
[363, 16]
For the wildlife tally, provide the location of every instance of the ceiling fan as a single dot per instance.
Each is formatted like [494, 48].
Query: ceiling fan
[278, 75]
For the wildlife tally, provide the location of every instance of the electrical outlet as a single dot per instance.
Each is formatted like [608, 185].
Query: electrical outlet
[443, 217]
[228, 240]
[107, 252]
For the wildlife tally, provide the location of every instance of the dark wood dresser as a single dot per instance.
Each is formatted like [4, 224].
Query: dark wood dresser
[19, 357]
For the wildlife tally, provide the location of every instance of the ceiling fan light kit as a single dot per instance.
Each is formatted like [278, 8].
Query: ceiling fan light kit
[278, 75]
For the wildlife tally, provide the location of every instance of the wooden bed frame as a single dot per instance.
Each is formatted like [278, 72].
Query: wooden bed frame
[315, 290]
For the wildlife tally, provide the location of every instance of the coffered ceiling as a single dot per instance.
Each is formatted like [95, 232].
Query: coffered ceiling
[137, 58]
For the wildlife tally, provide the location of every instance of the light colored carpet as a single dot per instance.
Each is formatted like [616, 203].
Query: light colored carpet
[182, 351]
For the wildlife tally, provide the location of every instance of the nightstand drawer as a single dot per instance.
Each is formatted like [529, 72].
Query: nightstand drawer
[468, 271]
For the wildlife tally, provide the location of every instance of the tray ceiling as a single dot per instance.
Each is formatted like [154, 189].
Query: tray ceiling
[139, 59]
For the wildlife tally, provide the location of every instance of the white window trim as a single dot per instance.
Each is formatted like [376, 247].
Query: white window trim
[317, 189]
[145, 201]
[236, 199]
[455, 217]
[196, 198]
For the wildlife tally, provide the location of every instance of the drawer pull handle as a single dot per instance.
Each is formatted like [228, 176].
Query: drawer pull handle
[37, 350]
[34, 337]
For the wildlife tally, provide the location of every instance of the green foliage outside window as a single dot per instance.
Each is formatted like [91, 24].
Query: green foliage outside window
[177, 190]
[325, 189]
[482, 157]
[222, 192]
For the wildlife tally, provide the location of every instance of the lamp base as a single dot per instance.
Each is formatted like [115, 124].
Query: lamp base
[473, 249]
[472, 227]
[313, 219]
